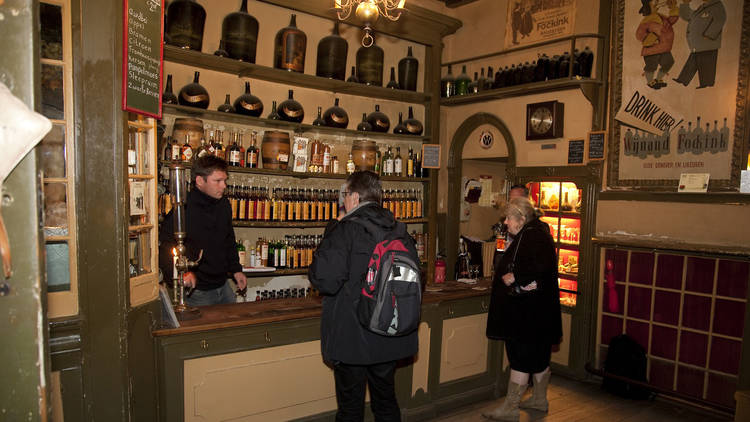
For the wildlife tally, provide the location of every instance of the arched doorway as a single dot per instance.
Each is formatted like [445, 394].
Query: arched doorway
[455, 174]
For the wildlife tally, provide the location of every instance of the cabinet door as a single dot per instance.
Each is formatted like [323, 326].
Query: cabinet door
[259, 385]
[463, 352]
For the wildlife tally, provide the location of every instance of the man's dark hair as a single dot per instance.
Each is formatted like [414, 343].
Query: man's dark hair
[208, 164]
[525, 189]
[367, 185]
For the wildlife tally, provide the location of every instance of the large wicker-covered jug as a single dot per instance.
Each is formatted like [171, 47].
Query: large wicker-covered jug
[275, 150]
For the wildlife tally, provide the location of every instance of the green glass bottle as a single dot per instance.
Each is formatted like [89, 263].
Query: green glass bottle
[462, 82]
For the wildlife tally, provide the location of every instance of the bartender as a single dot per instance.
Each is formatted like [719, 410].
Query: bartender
[209, 229]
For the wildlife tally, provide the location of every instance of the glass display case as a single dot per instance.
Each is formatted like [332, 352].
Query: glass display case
[561, 204]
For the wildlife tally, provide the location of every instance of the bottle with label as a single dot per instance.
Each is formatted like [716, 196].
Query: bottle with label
[241, 253]
[219, 145]
[202, 149]
[350, 164]
[410, 163]
[335, 165]
[326, 158]
[176, 150]
[389, 161]
[398, 163]
[234, 151]
[252, 152]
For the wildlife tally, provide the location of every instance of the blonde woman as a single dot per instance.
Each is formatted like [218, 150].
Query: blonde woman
[525, 308]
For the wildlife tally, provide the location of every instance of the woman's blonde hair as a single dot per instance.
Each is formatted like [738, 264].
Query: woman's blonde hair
[520, 208]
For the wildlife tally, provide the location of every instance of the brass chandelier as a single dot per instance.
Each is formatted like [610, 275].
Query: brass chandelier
[368, 12]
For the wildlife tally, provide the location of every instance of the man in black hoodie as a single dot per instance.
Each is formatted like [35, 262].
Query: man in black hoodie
[208, 224]
[359, 357]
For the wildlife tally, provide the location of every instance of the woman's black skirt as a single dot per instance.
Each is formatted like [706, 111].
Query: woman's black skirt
[531, 358]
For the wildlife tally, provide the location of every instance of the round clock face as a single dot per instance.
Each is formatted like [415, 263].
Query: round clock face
[541, 120]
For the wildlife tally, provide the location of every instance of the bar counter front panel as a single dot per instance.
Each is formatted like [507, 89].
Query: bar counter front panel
[261, 361]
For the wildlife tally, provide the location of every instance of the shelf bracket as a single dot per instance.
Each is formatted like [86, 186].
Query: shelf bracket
[590, 91]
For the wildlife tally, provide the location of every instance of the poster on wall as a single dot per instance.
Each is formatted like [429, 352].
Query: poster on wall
[677, 100]
[531, 21]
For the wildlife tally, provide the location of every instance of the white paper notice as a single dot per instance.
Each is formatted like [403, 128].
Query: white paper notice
[745, 181]
[693, 182]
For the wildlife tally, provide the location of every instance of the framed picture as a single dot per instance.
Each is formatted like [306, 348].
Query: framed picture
[679, 93]
[532, 21]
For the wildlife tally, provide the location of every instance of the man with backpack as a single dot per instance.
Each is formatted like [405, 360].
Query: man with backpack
[347, 271]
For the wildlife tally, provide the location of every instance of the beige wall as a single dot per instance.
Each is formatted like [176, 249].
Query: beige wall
[711, 224]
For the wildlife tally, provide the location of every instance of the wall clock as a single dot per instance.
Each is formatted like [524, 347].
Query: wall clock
[544, 120]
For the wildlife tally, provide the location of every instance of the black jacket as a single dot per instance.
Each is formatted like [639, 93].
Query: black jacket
[532, 317]
[209, 227]
[338, 268]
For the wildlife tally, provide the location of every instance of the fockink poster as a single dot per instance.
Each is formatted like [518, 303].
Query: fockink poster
[680, 67]
[531, 21]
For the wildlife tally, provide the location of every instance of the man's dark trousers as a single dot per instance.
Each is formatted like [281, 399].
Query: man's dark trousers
[351, 381]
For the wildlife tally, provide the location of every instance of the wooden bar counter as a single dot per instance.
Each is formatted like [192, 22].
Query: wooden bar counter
[261, 360]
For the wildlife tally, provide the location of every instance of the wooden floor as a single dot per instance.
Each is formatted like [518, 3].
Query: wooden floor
[571, 401]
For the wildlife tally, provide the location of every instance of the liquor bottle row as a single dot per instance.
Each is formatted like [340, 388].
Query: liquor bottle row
[404, 203]
[292, 252]
[542, 69]
[288, 293]
[390, 164]
[185, 20]
[282, 204]
[234, 153]
[318, 157]
[290, 110]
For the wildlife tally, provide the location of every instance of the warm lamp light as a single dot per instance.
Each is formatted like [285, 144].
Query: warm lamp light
[368, 12]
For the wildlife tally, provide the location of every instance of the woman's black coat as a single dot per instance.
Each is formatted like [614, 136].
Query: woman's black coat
[532, 317]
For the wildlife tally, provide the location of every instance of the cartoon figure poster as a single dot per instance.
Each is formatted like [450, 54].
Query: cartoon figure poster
[677, 74]
[530, 21]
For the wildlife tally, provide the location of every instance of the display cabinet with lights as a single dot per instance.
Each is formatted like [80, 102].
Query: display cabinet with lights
[567, 198]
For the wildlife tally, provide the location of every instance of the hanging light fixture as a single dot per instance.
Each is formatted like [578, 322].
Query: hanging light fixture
[368, 12]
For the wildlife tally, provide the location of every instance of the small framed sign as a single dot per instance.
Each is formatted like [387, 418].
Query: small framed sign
[597, 145]
[431, 156]
[693, 182]
[576, 149]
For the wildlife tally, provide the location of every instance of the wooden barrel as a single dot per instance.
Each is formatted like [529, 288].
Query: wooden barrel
[364, 154]
[275, 150]
[193, 128]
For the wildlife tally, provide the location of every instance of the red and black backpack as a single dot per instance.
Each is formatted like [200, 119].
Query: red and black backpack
[390, 298]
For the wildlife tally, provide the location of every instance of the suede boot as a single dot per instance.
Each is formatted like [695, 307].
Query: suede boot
[538, 399]
[508, 411]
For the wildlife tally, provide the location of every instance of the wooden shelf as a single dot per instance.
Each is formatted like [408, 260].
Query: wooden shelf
[239, 119]
[571, 246]
[305, 175]
[568, 276]
[304, 224]
[251, 70]
[519, 90]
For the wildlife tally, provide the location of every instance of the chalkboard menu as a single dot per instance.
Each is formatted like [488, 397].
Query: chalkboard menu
[597, 142]
[431, 156]
[142, 56]
[576, 148]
